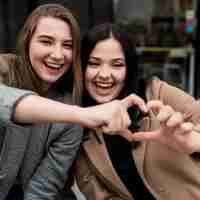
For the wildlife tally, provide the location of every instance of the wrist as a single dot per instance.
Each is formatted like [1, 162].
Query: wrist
[78, 115]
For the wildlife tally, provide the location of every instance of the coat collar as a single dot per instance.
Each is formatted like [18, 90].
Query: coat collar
[97, 152]
[102, 164]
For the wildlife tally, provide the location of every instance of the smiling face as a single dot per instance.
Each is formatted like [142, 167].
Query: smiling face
[106, 71]
[50, 49]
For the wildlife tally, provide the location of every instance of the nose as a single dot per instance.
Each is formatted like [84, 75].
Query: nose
[57, 52]
[104, 72]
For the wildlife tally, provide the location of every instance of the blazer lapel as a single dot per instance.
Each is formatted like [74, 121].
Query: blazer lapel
[101, 162]
[12, 153]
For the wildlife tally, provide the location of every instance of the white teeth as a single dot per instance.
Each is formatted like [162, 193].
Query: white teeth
[103, 85]
[55, 65]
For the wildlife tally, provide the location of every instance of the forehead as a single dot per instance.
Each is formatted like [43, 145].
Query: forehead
[109, 48]
[54, 27]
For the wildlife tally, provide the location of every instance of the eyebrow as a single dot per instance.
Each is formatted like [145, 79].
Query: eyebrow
[119, 59]
[114, 59]
[50, 37]
[94, 58]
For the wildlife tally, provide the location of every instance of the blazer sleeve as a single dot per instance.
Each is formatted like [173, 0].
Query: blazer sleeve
[52, 172]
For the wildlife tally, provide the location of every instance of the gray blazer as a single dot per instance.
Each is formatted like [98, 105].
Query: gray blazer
[36, 156]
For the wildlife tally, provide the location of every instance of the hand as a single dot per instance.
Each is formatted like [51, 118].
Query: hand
[113, 117]
[174, 130]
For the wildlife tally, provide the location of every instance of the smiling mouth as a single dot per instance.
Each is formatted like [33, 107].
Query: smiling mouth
[103, 86]
[54, 66]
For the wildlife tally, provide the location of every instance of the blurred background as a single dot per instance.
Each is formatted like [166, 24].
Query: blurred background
[167, 32]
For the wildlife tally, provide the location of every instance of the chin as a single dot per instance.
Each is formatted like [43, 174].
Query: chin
[51, 80]
[103, 100]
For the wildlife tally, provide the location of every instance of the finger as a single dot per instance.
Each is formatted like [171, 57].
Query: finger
[155, 105]
[126, 120]
[164, 113]
[197, 128]
[132, 100]
[175, 119]
[186, 127]
[114, 125]
[146, 136]
[106, 130]
[128, 135]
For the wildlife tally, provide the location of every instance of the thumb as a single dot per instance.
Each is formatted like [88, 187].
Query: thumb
[132, 100]
[155, 105]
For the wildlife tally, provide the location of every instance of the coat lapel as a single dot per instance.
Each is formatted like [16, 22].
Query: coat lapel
[139, 152]
[148, 124]
[97, 153]
[101, 162]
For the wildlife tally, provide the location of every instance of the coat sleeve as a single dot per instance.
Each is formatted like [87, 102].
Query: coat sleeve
[87, 181]
[50, 176]
[9, 96]
[178, 99]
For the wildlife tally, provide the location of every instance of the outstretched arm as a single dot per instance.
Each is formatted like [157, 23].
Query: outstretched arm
[111, 117]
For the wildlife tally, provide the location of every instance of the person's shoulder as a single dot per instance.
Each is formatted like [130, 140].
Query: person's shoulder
[7, 60]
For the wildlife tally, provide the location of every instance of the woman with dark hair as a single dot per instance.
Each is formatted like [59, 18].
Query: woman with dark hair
[162, 161]
[38, 135]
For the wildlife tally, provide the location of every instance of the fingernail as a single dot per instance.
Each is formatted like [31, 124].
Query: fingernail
[145, 109]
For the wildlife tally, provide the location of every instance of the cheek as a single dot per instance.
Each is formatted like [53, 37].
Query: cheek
[34, 54]
[121, 76]
[68, 54]
[90, 75]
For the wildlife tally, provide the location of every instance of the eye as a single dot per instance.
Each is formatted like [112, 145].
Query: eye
[46, 42]
[93, 64]
[118, 65]
[68, 45]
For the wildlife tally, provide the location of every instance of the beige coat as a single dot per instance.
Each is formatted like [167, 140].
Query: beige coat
[167, 174]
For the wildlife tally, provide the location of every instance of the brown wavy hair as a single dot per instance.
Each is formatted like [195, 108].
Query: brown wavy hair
[23, 75]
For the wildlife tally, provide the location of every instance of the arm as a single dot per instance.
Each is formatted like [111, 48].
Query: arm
[112, 116]
[50, 176]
